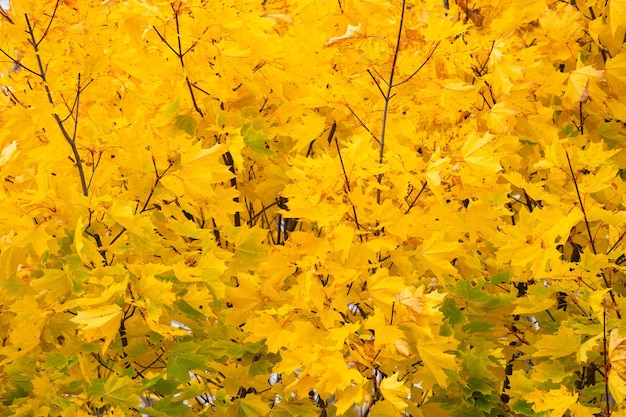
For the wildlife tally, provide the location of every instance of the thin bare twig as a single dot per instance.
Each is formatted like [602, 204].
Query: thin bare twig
[387, 97]
[407, 79]
[607, 283]
[424, 185]
[18, 64]
[605, 357]
[363, 124]
[181, 55]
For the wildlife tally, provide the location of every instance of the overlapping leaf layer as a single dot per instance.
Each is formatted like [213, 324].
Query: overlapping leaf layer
[339, 207]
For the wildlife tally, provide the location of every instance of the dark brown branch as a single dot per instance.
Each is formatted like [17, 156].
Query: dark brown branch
[19, 64]
[6, 16]
[377, 84]
[416, 198]
[45, 32]
[164, 41]
[591, 238]
[387, 98]
[619, 239]
[70, 139]
[255, 218]
[159, 176]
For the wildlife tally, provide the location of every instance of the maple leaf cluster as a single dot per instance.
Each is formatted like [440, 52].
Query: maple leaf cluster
[312, 208]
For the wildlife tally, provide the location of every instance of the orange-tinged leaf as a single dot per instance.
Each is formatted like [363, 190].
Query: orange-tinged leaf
[412, 299]
[402, 346]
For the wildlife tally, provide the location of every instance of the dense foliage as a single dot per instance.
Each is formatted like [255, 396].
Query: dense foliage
[313, 208]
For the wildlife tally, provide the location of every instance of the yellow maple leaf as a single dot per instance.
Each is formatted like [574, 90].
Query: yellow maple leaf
[532, 303]
[617, 373]
[395, 391]
[440, 29]
[382, 287]
[277, 333]
[111, 291]
[596, 302]
[617, 13]
[348, 397]
[581, 81]
[85, 248]
[402, 346]
[478, 150]
[24, 338]
[341, 237]
[436, 359]
[385, 334]
[499, 117]
[583, 349]
[563, 343]
[556, 400]
[100, 323]
[7, 152]
[579, 410]
[438, 252]
[615, 72]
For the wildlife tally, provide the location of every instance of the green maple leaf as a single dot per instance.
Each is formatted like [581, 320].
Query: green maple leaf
[255, 140]
[120, 392]
[186, 123]
[185, 357]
